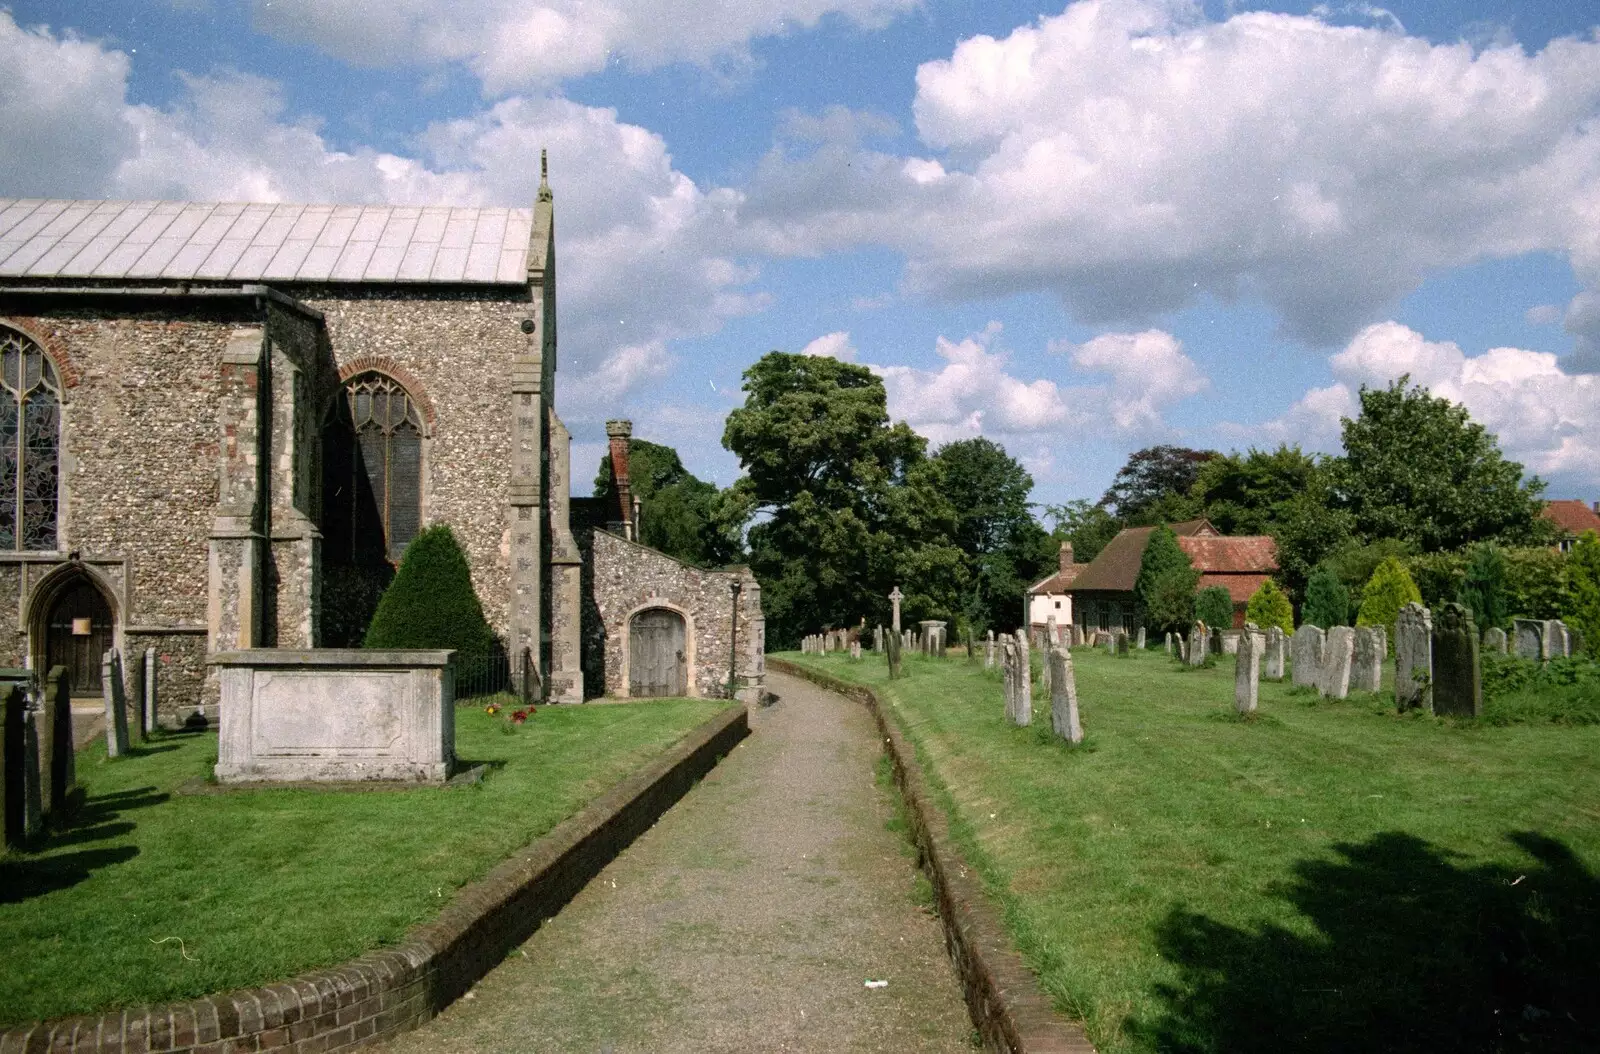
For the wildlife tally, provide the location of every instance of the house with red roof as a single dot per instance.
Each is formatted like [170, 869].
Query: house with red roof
[1052, 595]
[1572, 517]
[1102, 592]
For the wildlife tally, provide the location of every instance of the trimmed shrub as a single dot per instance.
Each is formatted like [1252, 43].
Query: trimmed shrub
[1214, 607]
[1327, 600]
[1536, 583]
[1583, 591]
[1388, 590]
[1269, 606]
[1483, 589]
[1438, 576]
[431, 603]
[1165, 586]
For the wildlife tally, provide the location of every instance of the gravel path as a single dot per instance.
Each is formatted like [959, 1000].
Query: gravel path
[747, 919]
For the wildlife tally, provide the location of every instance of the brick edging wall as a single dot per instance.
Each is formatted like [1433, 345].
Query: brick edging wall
[394, 989]
[1007, 1006]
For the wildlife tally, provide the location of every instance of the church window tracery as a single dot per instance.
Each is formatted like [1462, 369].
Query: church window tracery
[375, 481]
[30, 440]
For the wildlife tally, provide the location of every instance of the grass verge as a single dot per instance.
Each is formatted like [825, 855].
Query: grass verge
[153, 895]
[1328, 876]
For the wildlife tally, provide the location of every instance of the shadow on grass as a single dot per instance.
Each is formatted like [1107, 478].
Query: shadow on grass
[24, 878]
[1413, 953]
[103, 808]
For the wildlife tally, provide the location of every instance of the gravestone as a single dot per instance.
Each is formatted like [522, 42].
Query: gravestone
[1337, 652]
[1044, 676]
[988, 651]
[1366, 669]
[1063, 696]
[892, 654]
[855, 649]
[1494, 640]
[1383, 642]
[895, 596]
[1139, 642]
[1023, 682]
[1077, 635]
[1305, 655]
[1457, 679]
[1166, 643]
[1008, 672]
[1531, 638]
[1413, 658]
[1230, 643]
[1110, 640]
[116, 704]
[1272, 658]
[1560, 640]
[1183, 650]
[1199, 638]
[1247, 670]
[147, 689]
[1052, 632]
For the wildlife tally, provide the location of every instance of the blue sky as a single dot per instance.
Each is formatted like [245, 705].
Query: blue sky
[1076, 229]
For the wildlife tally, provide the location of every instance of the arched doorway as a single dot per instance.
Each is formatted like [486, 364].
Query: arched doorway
[657, 665]
[78, 631]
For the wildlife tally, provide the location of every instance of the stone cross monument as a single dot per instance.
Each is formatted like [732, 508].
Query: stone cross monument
[895, 598]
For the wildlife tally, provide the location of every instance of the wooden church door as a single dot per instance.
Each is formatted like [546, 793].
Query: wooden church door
[656, 662]
[77, 634]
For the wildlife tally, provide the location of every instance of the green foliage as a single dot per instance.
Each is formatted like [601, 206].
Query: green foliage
[1164, 588]
[847, 505]
[1483, 586]
[1354, 563]
[1583, 590]
[1523, 691]
[679, 514]
[1214, 607]
[1418, 468]
[1087, 526]
[1438, 576]
[1536, 583]
[1388, 590]
[1269, 606]
[1154, 485]
[1308, 529]
[1327, 600]
[431, 602]
[1246, 493]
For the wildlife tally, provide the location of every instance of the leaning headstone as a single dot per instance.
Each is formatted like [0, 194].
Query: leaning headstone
[1139, 641]
[1183, 650]
[116, 704]
[1198, 643]
[1337, 653]
[1366, 668]
[1457, 679]
[1247, 671]
[1494, 640]
[1413, 658]
[1063, 696]
[1530, 639]
[1305, 655]
[988, 651]
[1272, 658]
[1024, 682]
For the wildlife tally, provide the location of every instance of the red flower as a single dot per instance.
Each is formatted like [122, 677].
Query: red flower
[519, 716]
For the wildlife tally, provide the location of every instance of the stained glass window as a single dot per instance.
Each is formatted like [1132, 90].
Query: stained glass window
[30, 440]
[388, 439]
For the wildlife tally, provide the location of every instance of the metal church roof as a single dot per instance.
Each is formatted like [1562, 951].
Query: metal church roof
[177, 240]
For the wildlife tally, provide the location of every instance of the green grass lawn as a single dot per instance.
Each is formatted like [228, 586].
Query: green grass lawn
[262, 884]
[1328, 876]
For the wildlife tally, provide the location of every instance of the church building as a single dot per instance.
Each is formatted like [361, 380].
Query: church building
[222, 424]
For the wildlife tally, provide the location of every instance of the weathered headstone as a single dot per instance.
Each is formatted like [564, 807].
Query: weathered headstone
[988, 651]
[855, 649]
[32, 776]
[1183, 649]
[1560, 640]
[1457, 678]
[1166, 643]
[147, 688]
[1199, 637]
[1052, 632]
[1272, 658]
[1214, 641]
[1413, 658]
[1044, 676]
[1140, 640]
[1494, 640]
[1122, 643]
[1063, 696]
[1366, 668]
[1247, 670]
[1109, 639]
[1305, 655]
[892, 654]
[1338, 652]
[1024, 682]
[116, 704]
[895, 596]
[1230, 643]
[1531, 636]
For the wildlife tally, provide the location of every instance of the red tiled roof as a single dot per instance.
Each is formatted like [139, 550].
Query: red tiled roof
[1572, 516]
[1118, 563]
[1244, 554]
[1058, 582]
[1240, 587]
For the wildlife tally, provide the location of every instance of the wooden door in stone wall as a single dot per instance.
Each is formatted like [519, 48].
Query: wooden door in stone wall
[657, 665]
[77, 634]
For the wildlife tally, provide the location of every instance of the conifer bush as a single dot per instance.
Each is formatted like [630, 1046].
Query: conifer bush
[1483, 589]
[1214, 607]
[1388, 590]
[1269, 606]
[1327, 600]
[431, 603]
[1165, 585]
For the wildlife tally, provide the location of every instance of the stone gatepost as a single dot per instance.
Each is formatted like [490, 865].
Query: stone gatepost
[116, 704]
[1247, 669]
[1337, 654]
[1457, 678]
[1366, 670]
[1305, 654]
[1063, 695]
[1413, 658]
[1272, 659]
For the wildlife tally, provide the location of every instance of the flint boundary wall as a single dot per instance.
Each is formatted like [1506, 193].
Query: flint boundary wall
[396, 989]
[1007, 1007]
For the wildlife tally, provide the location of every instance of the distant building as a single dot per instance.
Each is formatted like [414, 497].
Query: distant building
[1572, 517]
[1102, 595]
[1051, 596]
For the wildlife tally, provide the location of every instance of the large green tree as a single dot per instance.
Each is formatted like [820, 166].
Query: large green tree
[1166, 583]
[1417, 468]
[678, 513]
[846, 505]
[1005, 548]
[1087, 526]
[1154, 485]
[1248, 493]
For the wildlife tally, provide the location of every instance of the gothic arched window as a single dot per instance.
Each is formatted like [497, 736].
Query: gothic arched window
[30, 441]
[373, 461]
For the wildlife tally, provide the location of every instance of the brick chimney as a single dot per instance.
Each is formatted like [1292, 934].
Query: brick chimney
[619, 433]
[1066, 555]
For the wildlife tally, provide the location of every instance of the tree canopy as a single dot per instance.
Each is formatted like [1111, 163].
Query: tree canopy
[678, 514]
[1154, 485]
[1164, 587]
[1087, 526]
